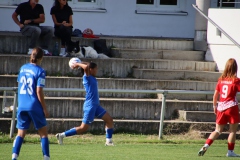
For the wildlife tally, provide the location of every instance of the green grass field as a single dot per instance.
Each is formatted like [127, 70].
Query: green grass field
[128, 147]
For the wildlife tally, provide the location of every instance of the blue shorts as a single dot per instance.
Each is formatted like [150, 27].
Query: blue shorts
[24, 118]
[91, 111]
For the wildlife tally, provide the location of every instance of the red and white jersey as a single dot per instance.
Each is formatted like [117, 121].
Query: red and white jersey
[227, 89]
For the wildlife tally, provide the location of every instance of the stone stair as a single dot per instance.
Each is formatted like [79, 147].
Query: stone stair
[166, 74]
[139, 64]
[199, 116]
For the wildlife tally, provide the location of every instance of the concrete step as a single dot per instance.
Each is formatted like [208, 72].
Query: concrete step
[56, 125]
[14, 42]
[199, 116]
[113, 67]
[120, 83]
[143, 43]
[158, 54]
[176, 75]
[119, 108]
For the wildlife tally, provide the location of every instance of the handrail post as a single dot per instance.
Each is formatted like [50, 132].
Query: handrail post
[13, 114]
[4, 101]
[217, 26]
[162, 114]
[220, 5]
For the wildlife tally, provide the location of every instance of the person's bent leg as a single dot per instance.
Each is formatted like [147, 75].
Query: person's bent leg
[68, 34]
[17, 143]
[59, 33]
[62, 33]
[231, 140]
[109, 128]
[47, 34]
[233, 115]
[33, 32]
[71, 132]
[213, 136]
[88, 118]
[44, 142]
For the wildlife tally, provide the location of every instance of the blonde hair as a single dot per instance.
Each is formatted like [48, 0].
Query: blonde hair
[230, 70]
[36, 55]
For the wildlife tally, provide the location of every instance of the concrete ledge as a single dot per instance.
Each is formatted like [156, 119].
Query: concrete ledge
[16, 43]
[157, 54]
[176, 75]
[199, 116]
[112, 67]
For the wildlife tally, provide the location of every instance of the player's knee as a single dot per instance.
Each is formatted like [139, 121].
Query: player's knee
[232, 132]
[37, 31]
[51, 30]
[218, 131]
[84, 128]
[110, 119]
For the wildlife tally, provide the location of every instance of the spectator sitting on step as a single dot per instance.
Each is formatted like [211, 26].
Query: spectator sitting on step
[62, 18]
[31, 15]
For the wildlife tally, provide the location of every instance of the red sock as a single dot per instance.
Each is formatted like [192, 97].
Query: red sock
[209, 142]
[231, 146]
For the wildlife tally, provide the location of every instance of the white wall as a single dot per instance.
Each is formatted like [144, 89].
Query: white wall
[120, 19]
[220, 48]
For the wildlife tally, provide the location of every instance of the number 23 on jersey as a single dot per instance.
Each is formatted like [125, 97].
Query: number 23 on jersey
[26, 85]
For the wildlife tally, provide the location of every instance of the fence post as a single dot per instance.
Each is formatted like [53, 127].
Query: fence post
[4, 101]
[13, 114]
[220, 5]
[162, 114]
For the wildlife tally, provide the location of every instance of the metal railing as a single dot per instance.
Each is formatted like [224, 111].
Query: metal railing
[217, 26]
[163, 106]
[221, 3]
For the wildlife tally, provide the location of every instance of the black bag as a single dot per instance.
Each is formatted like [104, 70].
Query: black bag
[77, 33]
[100, 46]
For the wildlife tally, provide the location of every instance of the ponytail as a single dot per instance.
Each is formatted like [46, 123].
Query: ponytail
[37, 54]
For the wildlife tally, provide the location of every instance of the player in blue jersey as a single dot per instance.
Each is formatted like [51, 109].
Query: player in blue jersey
[91, 107]
[31, 103]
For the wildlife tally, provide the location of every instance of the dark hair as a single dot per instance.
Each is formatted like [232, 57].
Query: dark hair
[230, 70]
[37, 54]
[57, 4]
[92, 65]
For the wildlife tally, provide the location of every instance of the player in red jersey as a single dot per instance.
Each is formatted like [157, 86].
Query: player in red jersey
[227, 108]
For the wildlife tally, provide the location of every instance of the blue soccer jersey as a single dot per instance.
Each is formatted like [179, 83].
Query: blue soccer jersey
[29, 78]
[91, 87]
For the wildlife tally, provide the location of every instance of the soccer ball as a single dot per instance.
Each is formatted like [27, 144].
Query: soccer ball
[72, 61]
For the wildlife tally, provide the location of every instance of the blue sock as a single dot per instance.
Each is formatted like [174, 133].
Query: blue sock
[45, 146]
[109, 132]
[17, 145]
[71, 132]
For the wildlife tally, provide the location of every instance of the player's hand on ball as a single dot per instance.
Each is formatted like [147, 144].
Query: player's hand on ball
[75, 66]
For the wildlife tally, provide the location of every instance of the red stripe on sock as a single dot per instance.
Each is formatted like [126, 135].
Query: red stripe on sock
[209, 142]
[231, 146]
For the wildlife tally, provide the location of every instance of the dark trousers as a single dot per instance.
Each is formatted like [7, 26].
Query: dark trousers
[46, 32]
[64, 33]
